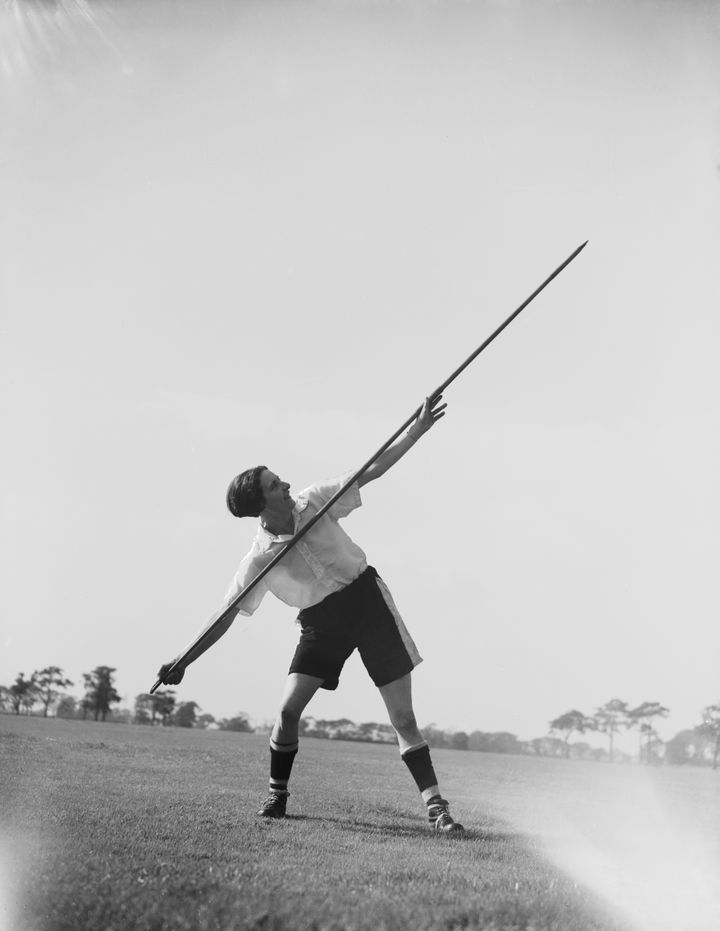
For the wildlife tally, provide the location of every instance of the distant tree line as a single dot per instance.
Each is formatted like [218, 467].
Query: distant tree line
[44, 691]
[697, 746]
[612, 718]
[162, 708]
[44, 688]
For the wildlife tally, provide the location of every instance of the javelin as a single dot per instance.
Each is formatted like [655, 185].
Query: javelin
[231, 607]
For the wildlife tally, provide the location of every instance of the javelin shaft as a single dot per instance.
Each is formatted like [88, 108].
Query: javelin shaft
[232, 606]
[474, 355]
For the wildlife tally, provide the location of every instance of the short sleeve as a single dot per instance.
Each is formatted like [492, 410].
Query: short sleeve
[321, 493]
[248, 569]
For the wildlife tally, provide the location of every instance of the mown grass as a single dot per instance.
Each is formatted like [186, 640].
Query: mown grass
[122, 827]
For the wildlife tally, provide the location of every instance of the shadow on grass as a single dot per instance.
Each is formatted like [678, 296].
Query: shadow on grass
[419, 830]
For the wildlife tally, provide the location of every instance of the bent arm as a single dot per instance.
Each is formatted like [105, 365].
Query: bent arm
[430, 413]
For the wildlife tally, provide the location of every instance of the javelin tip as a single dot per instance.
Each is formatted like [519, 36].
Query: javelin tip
[575, 254]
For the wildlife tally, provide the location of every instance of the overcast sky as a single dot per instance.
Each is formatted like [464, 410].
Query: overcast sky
[261, 232]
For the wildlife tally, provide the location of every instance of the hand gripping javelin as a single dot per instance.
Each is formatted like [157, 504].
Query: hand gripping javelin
[231, 607]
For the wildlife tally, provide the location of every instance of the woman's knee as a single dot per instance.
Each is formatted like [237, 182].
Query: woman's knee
[289, 717]
[404, 720]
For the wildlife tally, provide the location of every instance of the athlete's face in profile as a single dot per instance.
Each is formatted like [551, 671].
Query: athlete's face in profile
[276, 492]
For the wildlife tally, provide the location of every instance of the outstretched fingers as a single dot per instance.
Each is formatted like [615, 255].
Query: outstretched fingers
[436, 409]
[431, 411]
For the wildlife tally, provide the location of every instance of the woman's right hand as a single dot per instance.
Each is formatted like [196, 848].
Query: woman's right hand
[171, 678]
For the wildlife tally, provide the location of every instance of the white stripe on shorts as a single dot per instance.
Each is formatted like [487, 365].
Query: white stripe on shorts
[407, 640]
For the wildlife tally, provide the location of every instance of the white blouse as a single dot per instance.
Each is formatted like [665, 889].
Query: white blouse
[324, 561]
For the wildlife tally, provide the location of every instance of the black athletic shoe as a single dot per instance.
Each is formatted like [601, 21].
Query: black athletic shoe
[441, 819]
[274, 805]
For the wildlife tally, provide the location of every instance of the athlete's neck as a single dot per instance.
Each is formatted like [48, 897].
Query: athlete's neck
[278, 522]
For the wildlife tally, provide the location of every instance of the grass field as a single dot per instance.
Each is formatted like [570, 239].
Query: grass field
[121, 827]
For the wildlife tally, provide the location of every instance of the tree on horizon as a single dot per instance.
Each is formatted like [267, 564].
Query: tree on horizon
[710, 727]
[186, 714]
[142, 708]
[100, 691]
[67, 707]
[23, 693]
[609, 719]
[240, 722]
[162, 703]
[49, 681]
[643, 717]
[572, 722]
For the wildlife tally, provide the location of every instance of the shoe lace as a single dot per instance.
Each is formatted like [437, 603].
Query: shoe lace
[274, 798]
[438, 809]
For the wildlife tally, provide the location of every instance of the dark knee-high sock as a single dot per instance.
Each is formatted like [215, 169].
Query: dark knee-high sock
[282, 757]
[417, 759]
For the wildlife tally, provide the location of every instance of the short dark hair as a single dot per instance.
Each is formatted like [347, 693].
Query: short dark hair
[245, 496]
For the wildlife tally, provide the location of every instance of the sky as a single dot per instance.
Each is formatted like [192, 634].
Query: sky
[262, 232]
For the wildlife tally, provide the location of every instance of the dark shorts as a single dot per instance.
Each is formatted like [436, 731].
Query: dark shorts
[361, 615]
